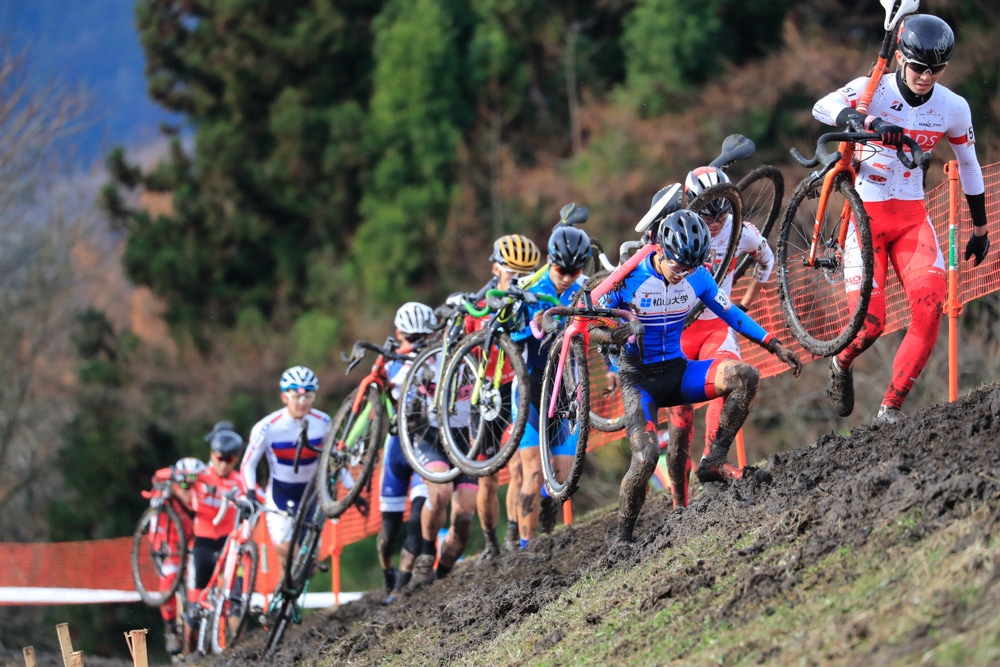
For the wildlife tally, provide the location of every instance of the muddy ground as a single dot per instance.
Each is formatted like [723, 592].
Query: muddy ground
[933, 469]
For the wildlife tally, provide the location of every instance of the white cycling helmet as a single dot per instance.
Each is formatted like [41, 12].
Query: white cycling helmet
[701, 179]
[415, 318]
[189, 466]
[299, 378]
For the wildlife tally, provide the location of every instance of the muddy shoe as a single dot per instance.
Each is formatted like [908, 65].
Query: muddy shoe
[512, 540]
[840, 388]
[548, 514]
[888, 415]
[423, 569]
[389, 579]
[174, 640]
[718, 469]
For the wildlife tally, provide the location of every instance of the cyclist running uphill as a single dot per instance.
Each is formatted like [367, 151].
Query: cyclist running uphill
[709, 337]
[414, 322]
[274, 437]
[569, 251]
[218, 479]
[909, 102]
[662, 290]
[185, 473]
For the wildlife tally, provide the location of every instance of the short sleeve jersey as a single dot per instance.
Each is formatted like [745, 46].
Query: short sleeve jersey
[752, 243]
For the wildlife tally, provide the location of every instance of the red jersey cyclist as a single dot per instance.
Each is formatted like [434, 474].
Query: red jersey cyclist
[709, 337]
[909, 101]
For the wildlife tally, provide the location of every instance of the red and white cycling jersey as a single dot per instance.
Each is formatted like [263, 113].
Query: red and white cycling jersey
[751, 242]
[945, 114]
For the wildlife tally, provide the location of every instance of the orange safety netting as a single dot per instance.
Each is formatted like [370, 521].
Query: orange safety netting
[105, 564]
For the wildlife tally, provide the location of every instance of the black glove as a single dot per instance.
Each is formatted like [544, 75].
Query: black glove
[363, 506]
[978, 246]
[775, 347]
[891, 135]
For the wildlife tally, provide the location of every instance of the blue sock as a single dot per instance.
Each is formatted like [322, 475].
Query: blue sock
[545, 492]
[524, 543]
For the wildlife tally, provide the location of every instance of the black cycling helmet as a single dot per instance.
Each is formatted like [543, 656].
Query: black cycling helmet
[684, 238]
[925, 39]
[227, 443]
[701, 179]
[219, 426]
[569, 248]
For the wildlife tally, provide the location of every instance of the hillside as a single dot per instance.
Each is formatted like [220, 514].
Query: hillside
[872, 548]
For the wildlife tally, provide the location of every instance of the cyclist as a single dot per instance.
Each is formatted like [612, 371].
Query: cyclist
[219, 478]
[569, 251]
[909, 102]
[709, 337]
[414, 322]
[662, 290]
[183, 474]
[275, 437]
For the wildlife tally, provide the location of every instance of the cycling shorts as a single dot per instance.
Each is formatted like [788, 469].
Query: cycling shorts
[398, 479]
[709, 339]
[430, 450]
[663, 384]
[205, 553]
[280, 526]
[563, 442]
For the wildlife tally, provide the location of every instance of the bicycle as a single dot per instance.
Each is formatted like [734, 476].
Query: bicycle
[358, 431]
[160, 534]
[564, 408]
[225, 600]
[473, 381]
[814, 262]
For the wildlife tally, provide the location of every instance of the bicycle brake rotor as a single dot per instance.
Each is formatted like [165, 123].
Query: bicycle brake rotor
[489, 403]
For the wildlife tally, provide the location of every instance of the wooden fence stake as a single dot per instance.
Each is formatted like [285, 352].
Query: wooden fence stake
[136, 640]
[29, 656]
[65, 643]
[76, 659]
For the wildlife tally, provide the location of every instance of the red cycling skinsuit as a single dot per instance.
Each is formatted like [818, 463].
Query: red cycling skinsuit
[209, 539]
[709, 337]
[901, 231]
[164, 532]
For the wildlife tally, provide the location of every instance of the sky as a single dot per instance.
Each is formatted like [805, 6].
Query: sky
[92, 44]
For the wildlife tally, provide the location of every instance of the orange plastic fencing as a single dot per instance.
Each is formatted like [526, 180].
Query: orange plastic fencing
[105, 564]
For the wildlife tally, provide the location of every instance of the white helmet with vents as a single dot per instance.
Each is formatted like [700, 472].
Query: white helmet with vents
[415, 318]
[299, 378]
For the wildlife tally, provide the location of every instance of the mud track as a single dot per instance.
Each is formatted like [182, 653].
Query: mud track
[815, 499]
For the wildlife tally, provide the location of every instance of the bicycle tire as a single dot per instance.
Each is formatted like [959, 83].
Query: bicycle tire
[141, 540]
[762, 191]
[574, 400]
[222, 612]
[304, 540]
[459, 374]
[279, 623]
[358, 457]
[410, 419]
[813, 298]
[728, 192]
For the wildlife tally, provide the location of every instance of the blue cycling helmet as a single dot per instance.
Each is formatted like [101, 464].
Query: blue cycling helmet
[684, 237]
[569, 248]
[299, 378]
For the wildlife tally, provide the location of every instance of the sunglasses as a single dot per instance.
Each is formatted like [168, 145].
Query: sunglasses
[920, 68]
[567, 272]
[225, 458]
[305, 397]
[680, 270]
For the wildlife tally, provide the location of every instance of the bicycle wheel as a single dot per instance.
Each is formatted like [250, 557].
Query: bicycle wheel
[159, 546]
[229, 615]
[605, 413]
[304, 541]
[492, 435]
[814, 298]
[350, 450]
[571, 418]
[722, 265]
[761, 191]
[416, 416]
[280, 615]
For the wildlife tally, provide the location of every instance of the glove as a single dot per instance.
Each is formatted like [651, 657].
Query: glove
[978, 246]
[775, 347]
[363, 506]
[891, 135]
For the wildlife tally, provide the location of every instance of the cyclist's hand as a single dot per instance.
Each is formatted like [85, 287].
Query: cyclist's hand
[891, 135]
[613, 384]
[776, 348]
[978, 246]
[363, 506]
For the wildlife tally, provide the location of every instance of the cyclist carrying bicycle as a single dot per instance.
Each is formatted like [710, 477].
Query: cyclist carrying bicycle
[662, 290]
[414, 322]
[709, 337]
[569, 251]
[909, 102]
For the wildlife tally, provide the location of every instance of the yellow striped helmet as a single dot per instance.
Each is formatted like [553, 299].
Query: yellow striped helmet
[516, 252]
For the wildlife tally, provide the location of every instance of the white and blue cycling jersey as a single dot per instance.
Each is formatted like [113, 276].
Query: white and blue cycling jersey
[662, 308]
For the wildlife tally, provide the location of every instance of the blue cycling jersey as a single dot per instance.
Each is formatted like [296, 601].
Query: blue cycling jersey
[662, 308]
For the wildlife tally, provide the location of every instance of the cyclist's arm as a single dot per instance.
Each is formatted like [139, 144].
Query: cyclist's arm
[717, 301]
[963, 144]
[255, 450]
[756, 246]
[838, 107]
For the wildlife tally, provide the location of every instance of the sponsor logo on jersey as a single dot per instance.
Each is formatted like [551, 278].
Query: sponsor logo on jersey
[893, 118]
[875, 178]
[879, 165]
[896, 105]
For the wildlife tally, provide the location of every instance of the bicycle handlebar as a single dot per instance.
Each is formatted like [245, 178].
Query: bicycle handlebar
[358, 353]
[826, 158]
[494, 295]
[549, 324]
